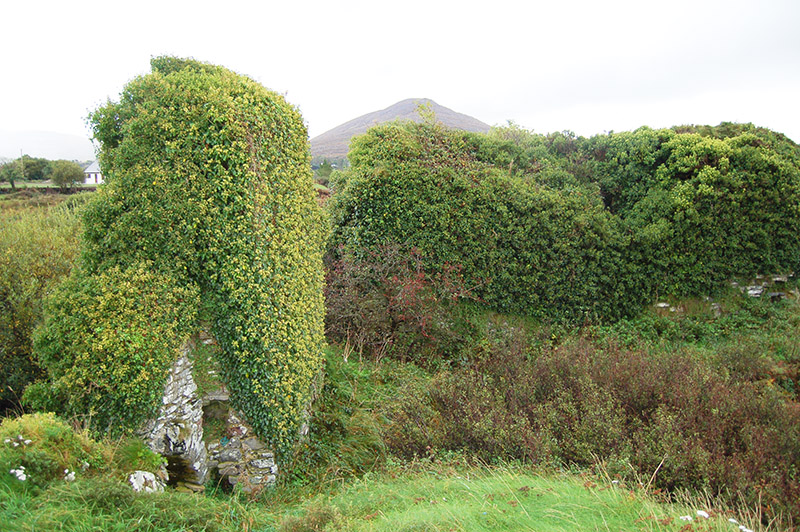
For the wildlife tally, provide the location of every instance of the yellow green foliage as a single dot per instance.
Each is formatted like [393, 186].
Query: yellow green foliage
[37, 250]
[109, 341]
[208, 178]
[43, 448]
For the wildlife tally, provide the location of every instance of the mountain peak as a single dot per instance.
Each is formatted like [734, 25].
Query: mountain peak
[334, 143]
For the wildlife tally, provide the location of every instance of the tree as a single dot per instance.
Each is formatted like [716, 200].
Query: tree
[10, 172]
[36, 168]
[323, 173]
[66, 174]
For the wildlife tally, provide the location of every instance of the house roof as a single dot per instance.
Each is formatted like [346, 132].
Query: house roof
[93, 168]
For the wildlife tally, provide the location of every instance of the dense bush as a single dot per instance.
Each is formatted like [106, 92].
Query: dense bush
[527, 247]
[384, 302]
[566, 228]
[207, 179]
[38, 248]
[109, 342]
[703, 208]
[662, 412]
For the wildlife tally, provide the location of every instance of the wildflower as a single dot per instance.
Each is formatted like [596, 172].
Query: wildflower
[744, 528]
[8, 440]
[69, 476]
[84, 466]
[685, 518]
[27, 442]
[701, 513]
[19, 473]
[615, 481]
[734, 521]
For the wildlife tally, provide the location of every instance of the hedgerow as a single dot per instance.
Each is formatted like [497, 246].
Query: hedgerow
[571, 229]
[208, 180]
[527, 247]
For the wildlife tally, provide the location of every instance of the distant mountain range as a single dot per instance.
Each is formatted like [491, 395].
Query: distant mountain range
[333, 144]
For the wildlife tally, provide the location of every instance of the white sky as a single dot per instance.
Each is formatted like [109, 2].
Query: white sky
[586, 66]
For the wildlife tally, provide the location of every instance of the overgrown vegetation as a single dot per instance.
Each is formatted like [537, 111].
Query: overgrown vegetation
[490, 296]
[208, 198]
[573, 229]
[55, 478]
[38, 248]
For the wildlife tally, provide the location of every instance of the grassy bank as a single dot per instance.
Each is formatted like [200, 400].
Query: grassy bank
[424, 496]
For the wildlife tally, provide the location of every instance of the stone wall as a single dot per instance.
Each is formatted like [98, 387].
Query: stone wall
[774, 287]
[200, 435]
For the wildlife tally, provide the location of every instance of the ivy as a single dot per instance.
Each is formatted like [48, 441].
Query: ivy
[571, 229]
[209, 181]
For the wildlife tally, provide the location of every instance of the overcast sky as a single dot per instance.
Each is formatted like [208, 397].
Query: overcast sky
[585, 66]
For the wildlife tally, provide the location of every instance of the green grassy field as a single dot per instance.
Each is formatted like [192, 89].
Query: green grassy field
[424, 497]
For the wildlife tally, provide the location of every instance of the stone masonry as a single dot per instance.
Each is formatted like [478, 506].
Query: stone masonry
[227, 451]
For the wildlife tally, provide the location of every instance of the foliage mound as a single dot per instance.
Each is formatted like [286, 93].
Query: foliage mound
[527, 248]
[44, 447]
[705, 208]
[123, 328]
[208, 187]
[574, 229]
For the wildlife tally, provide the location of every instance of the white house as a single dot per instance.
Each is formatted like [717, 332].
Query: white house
[92, 174]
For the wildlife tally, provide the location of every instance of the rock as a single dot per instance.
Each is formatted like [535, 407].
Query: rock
[754, 290]
[662, 305]
[776, 296]
[254, 444]
[229, 455]
[194, 487]
[262, 464]
[145, 481]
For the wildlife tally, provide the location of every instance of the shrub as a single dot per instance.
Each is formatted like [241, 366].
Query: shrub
[385, 302]
[45, 447]
[38, 248]
[662, 412]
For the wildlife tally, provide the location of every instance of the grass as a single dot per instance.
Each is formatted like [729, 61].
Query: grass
[21, 185]
[109, 505]
[505, 498]
[421, 496]
[30, 198]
